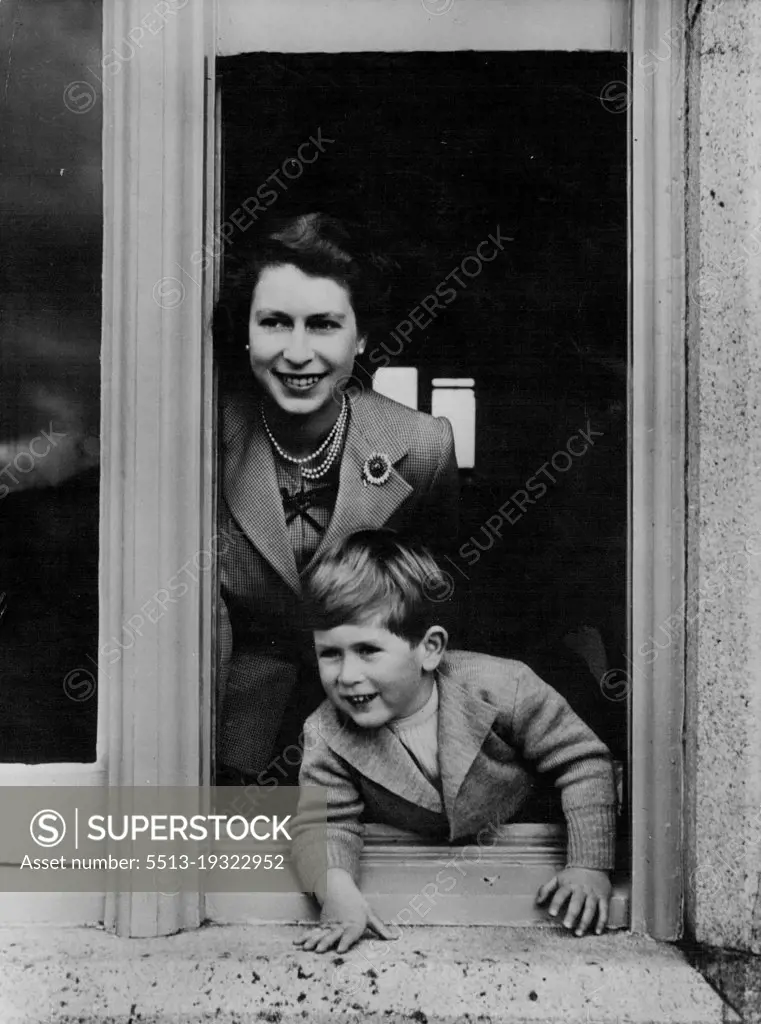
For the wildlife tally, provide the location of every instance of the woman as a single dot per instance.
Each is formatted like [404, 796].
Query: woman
[303, 464]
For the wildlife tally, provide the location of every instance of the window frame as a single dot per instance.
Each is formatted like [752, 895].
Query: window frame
[161, 197]
[658, 454]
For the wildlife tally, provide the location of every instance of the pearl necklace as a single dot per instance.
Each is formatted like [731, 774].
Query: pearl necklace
[332, 442]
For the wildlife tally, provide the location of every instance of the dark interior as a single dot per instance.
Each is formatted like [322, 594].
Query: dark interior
[434, 151]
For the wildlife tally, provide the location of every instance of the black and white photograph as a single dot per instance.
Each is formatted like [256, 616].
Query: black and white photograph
[380, 520]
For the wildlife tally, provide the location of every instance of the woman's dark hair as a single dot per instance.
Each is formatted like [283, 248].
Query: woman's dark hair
[319, 245]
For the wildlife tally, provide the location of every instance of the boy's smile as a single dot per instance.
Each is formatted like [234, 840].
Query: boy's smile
[375, 676]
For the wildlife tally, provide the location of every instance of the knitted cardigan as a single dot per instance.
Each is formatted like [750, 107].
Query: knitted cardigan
[499, 725]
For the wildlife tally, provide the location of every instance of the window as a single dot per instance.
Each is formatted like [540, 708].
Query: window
[512, 256]
[511, 266]
[50, 386]
[455, 398]
[156, 518]
[399, 383]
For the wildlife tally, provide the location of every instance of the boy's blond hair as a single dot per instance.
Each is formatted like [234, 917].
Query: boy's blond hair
[374, 575]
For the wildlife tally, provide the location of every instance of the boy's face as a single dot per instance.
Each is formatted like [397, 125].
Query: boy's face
[375, 676]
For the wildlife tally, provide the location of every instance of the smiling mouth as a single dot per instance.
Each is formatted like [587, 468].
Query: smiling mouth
[300, 381]
[361, 700]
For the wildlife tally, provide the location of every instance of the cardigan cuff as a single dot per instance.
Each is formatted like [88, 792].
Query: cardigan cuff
[591, 837]
[312, 859]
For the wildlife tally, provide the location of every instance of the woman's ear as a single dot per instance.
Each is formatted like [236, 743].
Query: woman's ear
[434, 644]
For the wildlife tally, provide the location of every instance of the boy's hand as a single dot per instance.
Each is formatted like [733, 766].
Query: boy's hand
[345, 916]
[588, 894]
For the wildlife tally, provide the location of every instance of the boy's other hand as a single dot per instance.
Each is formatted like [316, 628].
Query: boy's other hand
[587, 893]
[345, 917]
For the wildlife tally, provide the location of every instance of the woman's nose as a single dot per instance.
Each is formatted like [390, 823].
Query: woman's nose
[299, 348]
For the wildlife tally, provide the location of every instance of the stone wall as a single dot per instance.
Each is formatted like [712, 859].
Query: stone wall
[723, 722]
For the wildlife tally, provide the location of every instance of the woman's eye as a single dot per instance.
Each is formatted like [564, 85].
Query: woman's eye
[328, 654]
[323, 325]
[271, 322]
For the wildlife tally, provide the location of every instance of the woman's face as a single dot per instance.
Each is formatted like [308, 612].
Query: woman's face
[302, 338]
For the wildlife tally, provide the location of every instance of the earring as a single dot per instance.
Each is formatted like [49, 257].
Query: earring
[247, 347]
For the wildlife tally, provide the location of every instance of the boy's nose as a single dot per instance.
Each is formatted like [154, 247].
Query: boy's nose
[349, 673]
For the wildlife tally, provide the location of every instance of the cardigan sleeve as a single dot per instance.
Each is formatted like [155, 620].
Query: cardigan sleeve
[341, 837]
[554, 739]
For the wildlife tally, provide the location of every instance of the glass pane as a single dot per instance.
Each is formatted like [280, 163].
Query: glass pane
[459, 407]
[50, 150]
[501, 201]
[399, 383]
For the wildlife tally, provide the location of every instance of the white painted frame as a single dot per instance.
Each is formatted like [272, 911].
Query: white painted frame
[657, 90]
[158, 430]
[335, 26]
[158, 410]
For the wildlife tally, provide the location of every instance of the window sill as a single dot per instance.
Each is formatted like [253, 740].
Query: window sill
[443, 975]
[438, 884]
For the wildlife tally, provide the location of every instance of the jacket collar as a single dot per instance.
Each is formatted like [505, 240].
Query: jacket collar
[251, 490]
[464, 722]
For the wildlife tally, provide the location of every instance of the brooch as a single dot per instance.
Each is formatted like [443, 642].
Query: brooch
[377, 469]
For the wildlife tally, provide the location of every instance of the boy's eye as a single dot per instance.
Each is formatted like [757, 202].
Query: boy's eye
[367, 649]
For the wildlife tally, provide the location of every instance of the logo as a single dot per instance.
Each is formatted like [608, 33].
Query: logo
[615, 97]
[79, 97]
[79, 685]
[349, 979]
[169, 292]
[437, 7]
[707, 292]
[47, 828]
[349, 386]
[438, 586]
[615, 684]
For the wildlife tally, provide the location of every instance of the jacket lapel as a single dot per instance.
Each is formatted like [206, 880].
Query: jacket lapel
[380, 756]
[358, 505]
[464, 723]
[251, 491]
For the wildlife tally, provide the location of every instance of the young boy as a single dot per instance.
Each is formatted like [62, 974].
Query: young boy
[437, 743]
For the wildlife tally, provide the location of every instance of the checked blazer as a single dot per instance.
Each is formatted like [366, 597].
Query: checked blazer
[264, 650]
